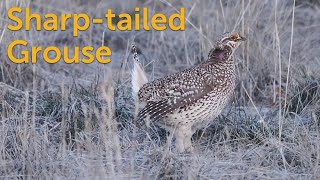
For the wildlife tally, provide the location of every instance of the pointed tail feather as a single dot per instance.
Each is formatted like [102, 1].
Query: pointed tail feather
[138, 75]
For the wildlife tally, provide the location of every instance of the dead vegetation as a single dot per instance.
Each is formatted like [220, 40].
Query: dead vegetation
[76, 121]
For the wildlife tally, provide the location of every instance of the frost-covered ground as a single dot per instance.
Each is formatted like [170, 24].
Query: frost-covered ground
[75, 121]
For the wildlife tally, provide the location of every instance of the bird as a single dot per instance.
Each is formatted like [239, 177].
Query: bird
[190, 99]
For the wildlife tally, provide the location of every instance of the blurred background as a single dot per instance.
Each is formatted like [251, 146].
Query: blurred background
[76, 121]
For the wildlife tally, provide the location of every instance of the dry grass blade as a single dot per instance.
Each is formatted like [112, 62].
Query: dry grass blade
[76, 121]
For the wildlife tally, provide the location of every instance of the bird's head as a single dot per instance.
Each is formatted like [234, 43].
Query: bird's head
[226, 46]
[230, 40]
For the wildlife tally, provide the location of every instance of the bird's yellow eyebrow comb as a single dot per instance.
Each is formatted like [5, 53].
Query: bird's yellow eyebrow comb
[235, 35]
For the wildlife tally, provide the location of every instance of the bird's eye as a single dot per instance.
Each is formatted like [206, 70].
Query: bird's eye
[235, 36]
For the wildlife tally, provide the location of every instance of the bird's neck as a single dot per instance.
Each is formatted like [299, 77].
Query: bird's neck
[221, 54]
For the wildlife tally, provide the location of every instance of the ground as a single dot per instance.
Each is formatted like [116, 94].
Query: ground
[67, 121]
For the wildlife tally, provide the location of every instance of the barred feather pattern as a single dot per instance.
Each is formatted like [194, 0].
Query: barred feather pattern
[194, 96]
[190, 99]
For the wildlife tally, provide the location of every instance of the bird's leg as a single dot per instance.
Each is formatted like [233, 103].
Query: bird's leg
[179, 141]
[187, 143]
[183, 139]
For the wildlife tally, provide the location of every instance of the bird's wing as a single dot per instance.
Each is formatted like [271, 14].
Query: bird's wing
[158, 109]
[167, 95]
[177, 84]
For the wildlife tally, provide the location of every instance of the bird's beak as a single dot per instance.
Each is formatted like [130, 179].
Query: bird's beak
[241, 38]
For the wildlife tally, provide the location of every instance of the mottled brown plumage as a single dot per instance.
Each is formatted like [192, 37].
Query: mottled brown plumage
[190, 99]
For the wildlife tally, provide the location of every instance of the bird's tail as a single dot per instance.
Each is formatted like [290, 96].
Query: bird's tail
[138, 75]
